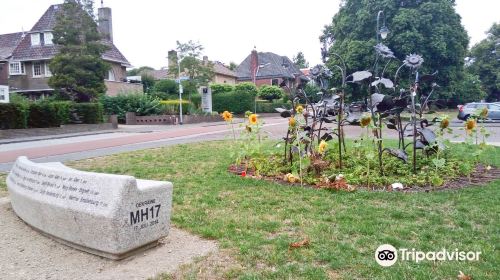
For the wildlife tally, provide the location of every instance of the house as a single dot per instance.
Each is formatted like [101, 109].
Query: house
[267, 68]
[26, 56]
[222, 74]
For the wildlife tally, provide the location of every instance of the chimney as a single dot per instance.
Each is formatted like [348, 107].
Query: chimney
[172, 59]
[105, 23]
[254, 64]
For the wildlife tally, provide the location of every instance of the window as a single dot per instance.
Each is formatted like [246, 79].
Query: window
[37, 69]
[275, 82]
[16, 68]
[35, 39]
[47, 69]
[111, 75]
[48, 36]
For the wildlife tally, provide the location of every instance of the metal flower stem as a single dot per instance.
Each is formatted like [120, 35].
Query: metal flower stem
[339, 129]
[414, 121]
[379, 140]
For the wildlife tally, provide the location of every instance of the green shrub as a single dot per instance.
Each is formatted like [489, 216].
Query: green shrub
[166, 86]
[141, 104]
[270, 92]
[89, 113]
[221, 88]
[13, 115]
[268, 107]
[48, 114]
[236, 102]
[247, 87]
[171, 107]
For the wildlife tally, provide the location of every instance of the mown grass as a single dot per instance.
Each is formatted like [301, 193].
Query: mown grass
[3, 185]
[259, 219]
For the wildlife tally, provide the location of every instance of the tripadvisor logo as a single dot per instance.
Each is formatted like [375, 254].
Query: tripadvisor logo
[387, 255]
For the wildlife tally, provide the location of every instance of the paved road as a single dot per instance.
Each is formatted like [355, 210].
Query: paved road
[130, 138]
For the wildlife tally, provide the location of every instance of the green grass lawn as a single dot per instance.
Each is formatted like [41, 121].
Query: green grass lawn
[257, 220]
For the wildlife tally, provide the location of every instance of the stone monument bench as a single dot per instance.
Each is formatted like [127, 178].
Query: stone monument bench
[108, 215]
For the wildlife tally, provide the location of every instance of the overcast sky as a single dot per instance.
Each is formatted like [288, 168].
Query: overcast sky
[145, 30]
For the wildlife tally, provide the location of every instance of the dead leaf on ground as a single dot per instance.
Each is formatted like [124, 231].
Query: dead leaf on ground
[299, 244]
[462, 276]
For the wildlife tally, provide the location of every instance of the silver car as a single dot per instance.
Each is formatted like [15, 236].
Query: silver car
[471, 109]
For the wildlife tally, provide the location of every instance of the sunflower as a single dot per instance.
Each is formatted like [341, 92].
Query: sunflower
[413, 61]
[299, 109]
[444, 123]
[227, 116]
[470, 124]
[322, 146]
[252, 119]
[365, 120]
[384, 51]
[484, 113]
[292, 122]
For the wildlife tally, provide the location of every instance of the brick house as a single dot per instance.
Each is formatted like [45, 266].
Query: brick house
[25, 56]
[270, 69]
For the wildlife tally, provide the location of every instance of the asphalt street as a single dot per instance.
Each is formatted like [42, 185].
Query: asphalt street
[130, 138]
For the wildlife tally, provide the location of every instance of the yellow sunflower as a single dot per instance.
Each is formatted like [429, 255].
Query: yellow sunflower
[227, 116]
[365, 120]
[322, 146]
[484, 113]
[470, 124]
[252, 119]
[444, 123]
[299, 109]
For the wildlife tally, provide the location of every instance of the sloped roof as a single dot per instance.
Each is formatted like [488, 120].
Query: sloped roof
[8, 43]
[48, 19]
[271, 66]
[221, 69]
[25, 51]
[156, 74]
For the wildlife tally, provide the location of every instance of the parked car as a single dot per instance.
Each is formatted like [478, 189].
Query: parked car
[471, 109]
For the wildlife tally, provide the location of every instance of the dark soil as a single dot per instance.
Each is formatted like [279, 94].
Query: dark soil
[479, 177]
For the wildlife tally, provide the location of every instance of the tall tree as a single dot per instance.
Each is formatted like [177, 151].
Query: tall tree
[199, 72]
[431, 28]
[78, 70]
[485, 62]
[300, 61]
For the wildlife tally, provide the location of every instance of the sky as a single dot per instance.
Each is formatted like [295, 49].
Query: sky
[146, 30]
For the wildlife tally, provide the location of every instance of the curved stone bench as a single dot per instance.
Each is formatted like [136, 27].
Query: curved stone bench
[108, 215]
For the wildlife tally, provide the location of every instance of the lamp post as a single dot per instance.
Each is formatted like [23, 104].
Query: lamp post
[255, 83]
[382, 31]
[180, 90]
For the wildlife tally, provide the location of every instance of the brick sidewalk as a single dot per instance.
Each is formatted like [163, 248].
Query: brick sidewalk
[37, 152]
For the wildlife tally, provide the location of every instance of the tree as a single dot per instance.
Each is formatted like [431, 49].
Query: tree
[148, 82]
[268, 92]
[139, 71]
[167, 86]
[199, 72]
[485, 57]
[232, 65]
[78, 70]
[431, 28]
[300, 61]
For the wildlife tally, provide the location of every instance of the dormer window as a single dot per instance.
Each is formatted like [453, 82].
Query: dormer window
[48, 37]
[35, 39]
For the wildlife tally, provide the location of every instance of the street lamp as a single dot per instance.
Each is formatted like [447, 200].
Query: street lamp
[180, 90]
[255, 83]
[382, 31]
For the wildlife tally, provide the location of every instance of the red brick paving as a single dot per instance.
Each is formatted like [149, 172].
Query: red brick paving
[37, 152]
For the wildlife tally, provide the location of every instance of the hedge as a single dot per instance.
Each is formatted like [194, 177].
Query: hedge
[48, 114]
[268, 107]
[236, 102]
[13, 115]
[171, 107]
[90, 113]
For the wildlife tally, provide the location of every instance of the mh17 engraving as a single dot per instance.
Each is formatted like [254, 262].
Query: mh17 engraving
[144, 214]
